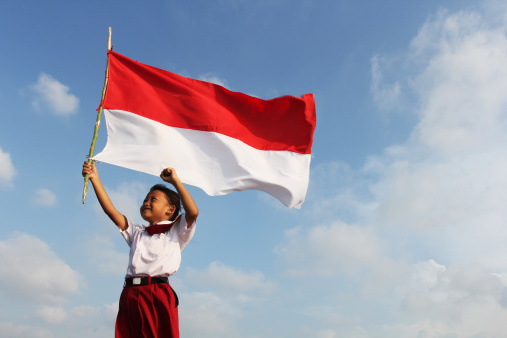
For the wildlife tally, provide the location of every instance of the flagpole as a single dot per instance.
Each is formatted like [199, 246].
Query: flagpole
[97, 123]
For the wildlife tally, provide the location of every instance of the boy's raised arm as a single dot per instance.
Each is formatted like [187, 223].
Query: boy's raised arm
[104, 200]
[191, 210]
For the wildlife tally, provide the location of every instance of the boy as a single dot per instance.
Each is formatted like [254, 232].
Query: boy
[148, 305]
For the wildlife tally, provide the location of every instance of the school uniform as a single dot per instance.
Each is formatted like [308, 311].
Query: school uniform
[148, 304]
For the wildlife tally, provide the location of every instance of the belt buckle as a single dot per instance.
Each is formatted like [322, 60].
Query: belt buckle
[136, 281]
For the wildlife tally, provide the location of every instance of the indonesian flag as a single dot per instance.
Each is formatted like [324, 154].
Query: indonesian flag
[218, 140]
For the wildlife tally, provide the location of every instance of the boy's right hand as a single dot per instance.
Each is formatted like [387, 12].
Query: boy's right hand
[90, 170]
[169, 175]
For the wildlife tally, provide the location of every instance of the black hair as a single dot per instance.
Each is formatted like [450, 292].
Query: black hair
[172, 197]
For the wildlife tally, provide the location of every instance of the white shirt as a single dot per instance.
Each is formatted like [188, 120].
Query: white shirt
[156, 255]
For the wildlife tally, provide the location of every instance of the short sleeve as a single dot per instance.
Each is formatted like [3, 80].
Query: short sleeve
[185, 231]
[128, 233]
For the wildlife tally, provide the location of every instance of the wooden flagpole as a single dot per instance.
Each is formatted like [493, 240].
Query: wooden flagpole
[97, 124]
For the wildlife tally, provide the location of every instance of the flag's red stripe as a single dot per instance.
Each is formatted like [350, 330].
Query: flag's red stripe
[284, 123]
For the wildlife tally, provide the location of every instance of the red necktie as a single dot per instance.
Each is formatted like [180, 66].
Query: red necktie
[159, 228]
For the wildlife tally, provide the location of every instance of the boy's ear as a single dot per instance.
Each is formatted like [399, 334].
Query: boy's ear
[172, 209]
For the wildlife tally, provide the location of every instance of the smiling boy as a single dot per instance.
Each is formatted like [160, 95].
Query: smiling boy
[148, 305]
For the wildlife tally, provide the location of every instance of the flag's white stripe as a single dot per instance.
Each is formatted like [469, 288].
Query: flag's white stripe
[216, 163]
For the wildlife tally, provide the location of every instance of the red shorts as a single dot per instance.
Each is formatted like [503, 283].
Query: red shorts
[147, 311]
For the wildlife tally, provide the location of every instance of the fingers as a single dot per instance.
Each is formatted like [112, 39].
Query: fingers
[87, 169]
[168, 174]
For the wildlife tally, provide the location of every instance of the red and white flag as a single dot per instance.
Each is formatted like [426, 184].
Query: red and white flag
[218, 140]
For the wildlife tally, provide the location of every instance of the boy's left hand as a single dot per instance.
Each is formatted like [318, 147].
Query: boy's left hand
[169, 175]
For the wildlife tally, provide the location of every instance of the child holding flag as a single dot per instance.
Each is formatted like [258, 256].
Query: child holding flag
[148, 305]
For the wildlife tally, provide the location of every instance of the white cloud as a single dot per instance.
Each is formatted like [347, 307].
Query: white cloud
[329, 250]
[459, 300]
[209, 77]
[448, 180]
[328, 316]
[79, 321]
[55, 95]
[52, 314]
[228, 280]
[207, 315]
[83, 311]
[7, 170]
[9, 330]
[462, 87]
[336, 190]
[102, 254]
[40, 275]
[438, 197]
[112, 311]
[44, 197]
[385, 95]
[222, 296]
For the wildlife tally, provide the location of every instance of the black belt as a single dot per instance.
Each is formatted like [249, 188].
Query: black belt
[134, 281]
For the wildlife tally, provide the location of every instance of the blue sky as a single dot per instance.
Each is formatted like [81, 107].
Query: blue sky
[403, 232]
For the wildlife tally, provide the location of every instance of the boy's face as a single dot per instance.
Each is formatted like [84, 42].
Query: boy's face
[156, 207]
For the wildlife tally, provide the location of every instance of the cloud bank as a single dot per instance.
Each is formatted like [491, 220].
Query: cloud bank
[7, 170]
[40, 275]
[417, 235]
[54, 95]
